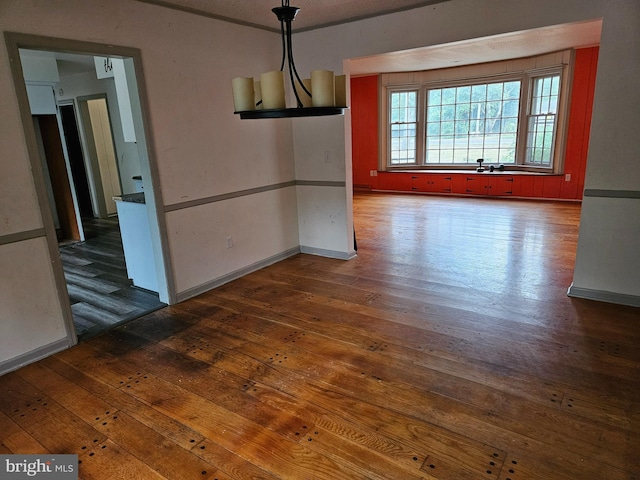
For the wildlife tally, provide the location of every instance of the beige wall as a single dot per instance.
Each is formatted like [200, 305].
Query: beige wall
[203, 153]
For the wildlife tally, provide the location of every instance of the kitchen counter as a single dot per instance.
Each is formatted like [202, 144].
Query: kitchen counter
[131, 197]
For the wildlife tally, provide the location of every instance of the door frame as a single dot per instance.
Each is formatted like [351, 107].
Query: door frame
[16, 41]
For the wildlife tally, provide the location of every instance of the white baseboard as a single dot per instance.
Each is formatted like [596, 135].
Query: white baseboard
[604, 296]
[217, 282]
[33, 356]
[328, 253]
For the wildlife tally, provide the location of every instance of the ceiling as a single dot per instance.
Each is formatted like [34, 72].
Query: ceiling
[526, 43]
[312, 14]
[319, 13]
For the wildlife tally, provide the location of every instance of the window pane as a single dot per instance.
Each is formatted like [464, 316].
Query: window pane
[447, 128]
[403, 106]
[542, 120]
[433, 156]
[507, 141]
[511, 108]
[448, 96]
[491, 155]
[433, 114]
[463, 95]
[462, 111]
[472, 122]
[433, 143]
[462, 128]
[446, 155]
[507, 156]
[479, 93]
[433, 129]
[448, 112]
[512, 90]
[403, 122]
[510, 125]
[494, 91]
[460, 156]
[403, 143]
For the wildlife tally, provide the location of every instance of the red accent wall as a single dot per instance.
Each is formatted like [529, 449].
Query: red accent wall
[364, 128]
[577, 146]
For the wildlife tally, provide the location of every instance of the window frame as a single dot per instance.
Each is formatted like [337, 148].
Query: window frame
[463, 83]
[419, 124]
[562, 113]
[527, 76]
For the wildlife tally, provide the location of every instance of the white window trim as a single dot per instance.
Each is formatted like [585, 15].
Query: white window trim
[524, 69]
[419, 125]
[559, 140]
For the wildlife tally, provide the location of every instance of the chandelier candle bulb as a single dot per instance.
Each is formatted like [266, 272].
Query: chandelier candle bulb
[272, 87]
[341, 91]
[243, 96]
[304, 98]
[323, 88]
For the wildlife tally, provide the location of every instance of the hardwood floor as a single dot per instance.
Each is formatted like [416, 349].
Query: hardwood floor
[446, 350]
[100, 291]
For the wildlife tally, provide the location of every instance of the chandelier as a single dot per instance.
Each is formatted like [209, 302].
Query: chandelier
[322, 94]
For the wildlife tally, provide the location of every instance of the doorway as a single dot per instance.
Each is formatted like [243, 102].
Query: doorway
[100, 290]
[76, 159]
[89, 266]
[59, 187]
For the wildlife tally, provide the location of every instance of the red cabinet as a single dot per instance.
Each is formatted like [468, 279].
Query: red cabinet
[494, 184]
[434, 183]
[489, 184]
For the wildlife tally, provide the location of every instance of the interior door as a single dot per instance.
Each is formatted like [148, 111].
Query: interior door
[105, 152]
[58, 174]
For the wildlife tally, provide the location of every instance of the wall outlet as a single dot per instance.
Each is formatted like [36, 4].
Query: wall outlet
[567, 177]
[373, 173]
[229, 241]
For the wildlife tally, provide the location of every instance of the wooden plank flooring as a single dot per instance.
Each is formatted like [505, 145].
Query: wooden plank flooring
[100, 292]
[447, 350]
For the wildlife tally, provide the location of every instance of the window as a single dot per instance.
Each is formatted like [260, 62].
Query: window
[404, 122]
[514, 119]
[542, 120]
[473, 121]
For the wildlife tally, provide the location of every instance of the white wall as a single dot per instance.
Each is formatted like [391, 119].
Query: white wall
[609, 239]
[324, 193]
[35, 315]
[217, 238]
[608, 261]
[607, 265]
